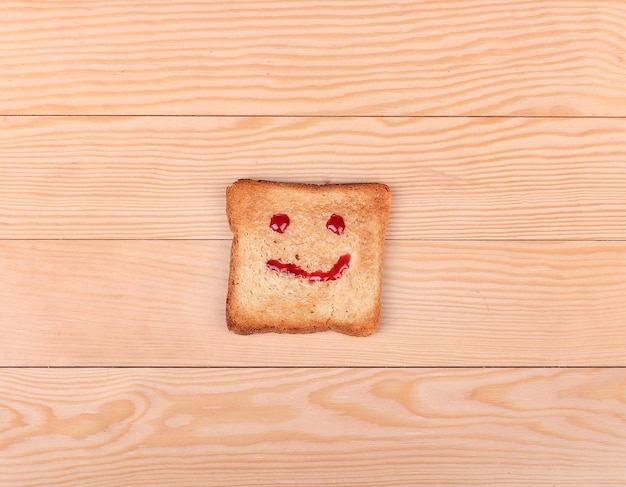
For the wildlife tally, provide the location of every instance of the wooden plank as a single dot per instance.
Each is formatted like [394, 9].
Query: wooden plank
[452, 178]
[162, 303]
[163, 427]
[529, 57]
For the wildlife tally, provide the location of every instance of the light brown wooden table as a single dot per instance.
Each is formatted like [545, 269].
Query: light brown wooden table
[501, 354]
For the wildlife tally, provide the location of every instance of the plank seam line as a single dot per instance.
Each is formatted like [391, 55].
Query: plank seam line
[322, 367]
[426, 240]
[247, 115]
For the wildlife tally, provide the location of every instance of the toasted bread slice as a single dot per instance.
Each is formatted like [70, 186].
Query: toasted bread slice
[306, 257]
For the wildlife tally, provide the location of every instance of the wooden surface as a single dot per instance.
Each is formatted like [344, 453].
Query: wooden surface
[313, 427]
[501, 129]
[452, 178]
[161, 302]
[408, 57]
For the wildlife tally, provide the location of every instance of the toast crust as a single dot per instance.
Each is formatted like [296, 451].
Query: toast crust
[260, 301]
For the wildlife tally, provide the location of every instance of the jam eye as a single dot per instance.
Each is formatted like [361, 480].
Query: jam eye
[279, 222]
[336, 224]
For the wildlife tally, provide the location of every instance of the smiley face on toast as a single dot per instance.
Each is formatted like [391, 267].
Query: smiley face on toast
[305, 257]
[336, 224]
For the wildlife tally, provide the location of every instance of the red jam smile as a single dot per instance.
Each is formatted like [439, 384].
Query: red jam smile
[333, 274]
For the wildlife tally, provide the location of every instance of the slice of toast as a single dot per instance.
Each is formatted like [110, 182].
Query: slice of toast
[305, 257]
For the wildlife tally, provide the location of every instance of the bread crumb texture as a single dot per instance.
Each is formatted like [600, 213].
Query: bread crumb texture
[263, 300]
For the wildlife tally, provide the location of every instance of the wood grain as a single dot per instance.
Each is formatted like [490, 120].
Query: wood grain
[452, 178]
[501, 128]
[405, 57]
[163, 427]
[120, 303]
